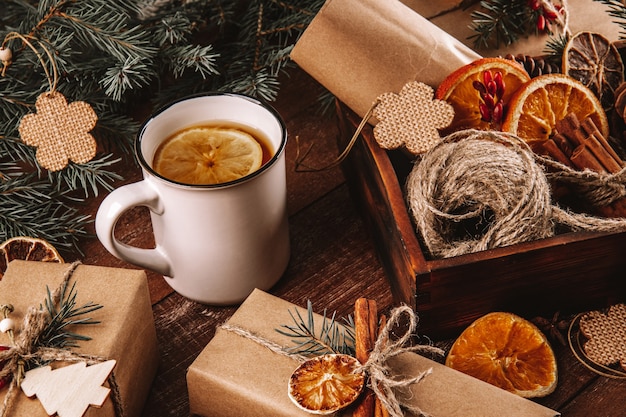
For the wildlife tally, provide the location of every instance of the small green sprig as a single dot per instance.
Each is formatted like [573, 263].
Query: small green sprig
[331, 338]
[63, 314]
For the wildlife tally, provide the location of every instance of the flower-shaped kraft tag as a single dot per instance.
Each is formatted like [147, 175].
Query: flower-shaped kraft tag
[411, 118]
[607, 335]
[60, 131]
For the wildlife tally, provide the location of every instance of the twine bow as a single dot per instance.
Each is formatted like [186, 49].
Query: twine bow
[24, 349]
[382, 382]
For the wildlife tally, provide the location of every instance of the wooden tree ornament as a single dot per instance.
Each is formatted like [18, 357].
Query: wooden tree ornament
[70, 390]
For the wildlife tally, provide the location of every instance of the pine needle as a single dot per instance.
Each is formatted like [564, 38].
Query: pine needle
[309, 340]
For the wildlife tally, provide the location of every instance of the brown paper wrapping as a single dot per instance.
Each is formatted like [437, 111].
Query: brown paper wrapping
[126, 332]
[235, 376]
[360, 49]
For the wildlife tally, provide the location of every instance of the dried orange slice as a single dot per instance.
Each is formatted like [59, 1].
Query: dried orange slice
[539, 104]
[507, 351]
[28, 249]
[480, 91]
[208, 155]
[594, 61]
[326, 384]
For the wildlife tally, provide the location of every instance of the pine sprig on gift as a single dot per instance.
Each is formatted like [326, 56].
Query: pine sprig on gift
[63, 315]
[332, 337]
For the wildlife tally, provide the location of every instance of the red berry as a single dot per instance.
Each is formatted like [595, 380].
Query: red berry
[480, 87]
[485, 113]
[541, 22]
[489, 101]
[497, 112]
[487, 77]
[499, 84]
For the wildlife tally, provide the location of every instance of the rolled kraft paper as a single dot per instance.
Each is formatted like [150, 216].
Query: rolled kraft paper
[360, 49]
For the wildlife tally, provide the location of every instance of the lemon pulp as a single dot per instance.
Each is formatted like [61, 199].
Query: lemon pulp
[208, 155]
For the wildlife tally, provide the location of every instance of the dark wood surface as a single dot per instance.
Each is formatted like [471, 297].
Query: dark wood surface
[333, 262]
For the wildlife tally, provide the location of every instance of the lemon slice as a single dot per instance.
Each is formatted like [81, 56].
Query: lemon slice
[208, 155]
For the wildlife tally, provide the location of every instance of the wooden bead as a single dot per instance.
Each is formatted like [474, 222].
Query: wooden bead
[5, 54]
[6, 325]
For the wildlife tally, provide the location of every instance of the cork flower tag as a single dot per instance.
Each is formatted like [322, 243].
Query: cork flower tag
[411, 118]
[607, 336]
[60, 131]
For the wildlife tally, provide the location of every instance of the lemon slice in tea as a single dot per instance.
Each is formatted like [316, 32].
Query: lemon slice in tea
[208, 155]
[326, 384]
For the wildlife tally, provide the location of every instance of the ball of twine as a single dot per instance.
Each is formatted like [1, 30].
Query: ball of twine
[479, 190]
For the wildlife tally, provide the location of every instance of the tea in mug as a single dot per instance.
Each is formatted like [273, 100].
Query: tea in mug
[212, 153]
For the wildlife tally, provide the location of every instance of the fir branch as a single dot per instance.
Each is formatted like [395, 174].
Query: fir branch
[124, 76]
[88, 176]
[32, 207]
[172, 29]
[63, 315]
[554, 49]
[500, 22]
[332, 337]
[617, 9]
[198, 58]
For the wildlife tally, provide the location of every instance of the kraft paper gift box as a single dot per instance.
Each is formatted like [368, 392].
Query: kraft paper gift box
[236, 376]
[126, 331]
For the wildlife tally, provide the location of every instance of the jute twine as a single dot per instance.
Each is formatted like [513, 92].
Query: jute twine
[381, 378]
[25, 350]
[495, 182]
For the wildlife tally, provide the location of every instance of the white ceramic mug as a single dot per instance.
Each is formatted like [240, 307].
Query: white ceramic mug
[214, 243]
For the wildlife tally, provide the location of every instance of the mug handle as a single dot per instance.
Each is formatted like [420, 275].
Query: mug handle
[120, 200]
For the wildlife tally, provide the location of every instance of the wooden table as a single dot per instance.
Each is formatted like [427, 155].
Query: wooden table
[333, 263]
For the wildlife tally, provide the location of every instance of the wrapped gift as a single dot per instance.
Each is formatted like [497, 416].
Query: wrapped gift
[125, 332]
[237, 375]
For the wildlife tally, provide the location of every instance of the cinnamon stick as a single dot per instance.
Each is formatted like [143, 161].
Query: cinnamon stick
[380, 410]
[365, 329]
[564, 144]
[583, 158]
[603, 161]
[552, 150]
[591, 129]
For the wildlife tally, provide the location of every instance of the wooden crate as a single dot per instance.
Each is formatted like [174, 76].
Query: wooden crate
[568, 272]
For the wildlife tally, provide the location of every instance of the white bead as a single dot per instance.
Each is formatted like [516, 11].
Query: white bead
[5, 54]
[6, 325]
